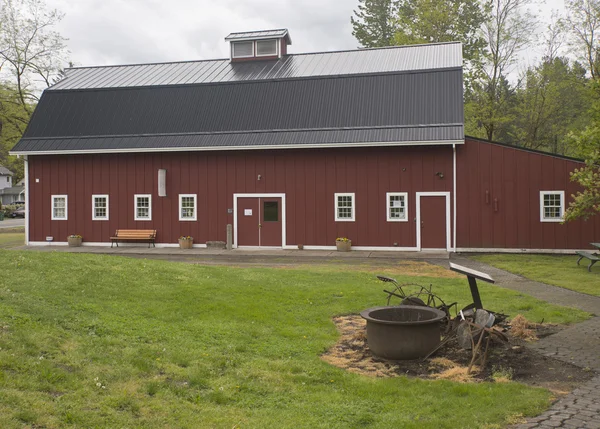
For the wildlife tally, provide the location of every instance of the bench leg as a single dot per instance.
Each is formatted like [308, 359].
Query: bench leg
[590, 266]
[579, 260]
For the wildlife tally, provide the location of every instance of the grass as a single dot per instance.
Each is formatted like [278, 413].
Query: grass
[557, 270]
[104, 341]
[11, 239]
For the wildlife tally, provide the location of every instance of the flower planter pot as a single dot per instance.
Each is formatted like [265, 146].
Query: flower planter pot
[186, 244]
[74, 241]
[300, 246]
[343, 246]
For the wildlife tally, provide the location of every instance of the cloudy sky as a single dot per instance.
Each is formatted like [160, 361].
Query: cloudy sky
[133, 31]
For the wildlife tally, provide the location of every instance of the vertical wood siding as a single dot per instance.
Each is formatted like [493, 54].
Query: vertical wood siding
[309, 178]
[514, 178]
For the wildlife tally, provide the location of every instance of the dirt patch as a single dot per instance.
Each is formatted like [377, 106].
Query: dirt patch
[513, 361]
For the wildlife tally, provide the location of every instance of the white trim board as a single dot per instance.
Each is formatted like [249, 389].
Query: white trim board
[509, 250]
[255, 147]
[445, 194]
[27, 193]
[108, 244]
[235, 215]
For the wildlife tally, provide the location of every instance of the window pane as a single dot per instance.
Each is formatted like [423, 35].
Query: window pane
[397, 205]
[552, 206]
[266, 47]
[271, 211]
[188, 208]
[344, 207]
[143, 207]
[242, 49]
[59, 208]
[100, 207]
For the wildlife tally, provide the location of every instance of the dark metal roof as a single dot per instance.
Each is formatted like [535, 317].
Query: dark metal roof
[388, 107]
[261, 34]
[353, 102]
[245, 140]
[324, 64]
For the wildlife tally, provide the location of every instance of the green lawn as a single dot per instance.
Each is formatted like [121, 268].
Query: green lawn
[104, 341]
[558, 270]
[11, 239]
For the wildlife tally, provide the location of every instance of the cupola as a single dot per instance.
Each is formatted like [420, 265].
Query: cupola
[258, 45]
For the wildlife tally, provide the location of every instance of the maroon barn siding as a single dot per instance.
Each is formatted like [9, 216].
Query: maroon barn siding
[308, 178]
[511, 179]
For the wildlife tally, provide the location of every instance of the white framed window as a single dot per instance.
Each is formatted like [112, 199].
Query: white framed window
[397, 206]
[242, 49]
[143, 207]
[344, 207]
[99, 207]
[266, 48]
[60, 207]
[552, 206]
[187, 207]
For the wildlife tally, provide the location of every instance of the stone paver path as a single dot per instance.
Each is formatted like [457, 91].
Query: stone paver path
[578, 344]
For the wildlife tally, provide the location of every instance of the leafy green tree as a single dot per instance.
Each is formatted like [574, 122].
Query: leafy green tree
[586, 203]
[432, 21]
[552, 101]
[31, 54]
[507, 31]
[375, 23]
[583, 23]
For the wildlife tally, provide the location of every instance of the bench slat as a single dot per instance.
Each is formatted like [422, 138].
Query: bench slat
[134, 234]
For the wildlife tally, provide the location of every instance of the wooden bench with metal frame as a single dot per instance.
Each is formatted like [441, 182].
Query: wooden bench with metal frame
[148, 235]
[593, 257]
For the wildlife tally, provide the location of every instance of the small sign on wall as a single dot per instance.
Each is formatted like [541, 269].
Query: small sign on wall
[247, 212]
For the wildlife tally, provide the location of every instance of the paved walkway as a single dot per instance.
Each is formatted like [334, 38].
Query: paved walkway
[578, 344]
[248, 256]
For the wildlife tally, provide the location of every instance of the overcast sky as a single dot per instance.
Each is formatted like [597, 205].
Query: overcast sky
[132, 31]
[104, 32]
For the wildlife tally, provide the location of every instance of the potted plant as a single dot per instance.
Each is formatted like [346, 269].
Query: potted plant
[343, 244]
[186, 242]
[74, 240]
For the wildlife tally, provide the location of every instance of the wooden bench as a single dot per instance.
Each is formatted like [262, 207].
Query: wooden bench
[148, 235]
[593, 257]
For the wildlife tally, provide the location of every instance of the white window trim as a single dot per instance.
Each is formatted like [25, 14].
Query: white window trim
[66, 207]
[193, 218]
[94, 217]
[243, 56]
[276, 54]
[345, 194]
[135, 207]
[388, 207]
[562, 206]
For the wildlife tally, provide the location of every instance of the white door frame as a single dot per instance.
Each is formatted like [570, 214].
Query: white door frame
[235, 216]
[418, 204]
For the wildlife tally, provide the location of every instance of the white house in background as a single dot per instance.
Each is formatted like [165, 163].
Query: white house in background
[5, 177]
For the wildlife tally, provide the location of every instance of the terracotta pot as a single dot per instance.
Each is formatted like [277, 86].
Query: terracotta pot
[343, 246]
[74, 241]
[300, 246]
[186, 244]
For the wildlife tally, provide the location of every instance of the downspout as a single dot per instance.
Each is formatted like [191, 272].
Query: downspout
[454, 196]
[27, 217]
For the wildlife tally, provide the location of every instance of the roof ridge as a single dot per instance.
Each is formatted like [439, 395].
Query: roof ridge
[288, 55]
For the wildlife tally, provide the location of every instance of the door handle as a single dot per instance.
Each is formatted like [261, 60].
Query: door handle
[259, 225]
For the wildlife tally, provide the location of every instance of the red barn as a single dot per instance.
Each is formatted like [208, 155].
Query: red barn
[289, 149]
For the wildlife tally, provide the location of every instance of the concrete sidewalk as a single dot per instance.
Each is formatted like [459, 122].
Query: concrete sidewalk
[244, 255]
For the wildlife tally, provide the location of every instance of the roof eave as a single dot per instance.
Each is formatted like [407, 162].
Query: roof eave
[253, 147]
